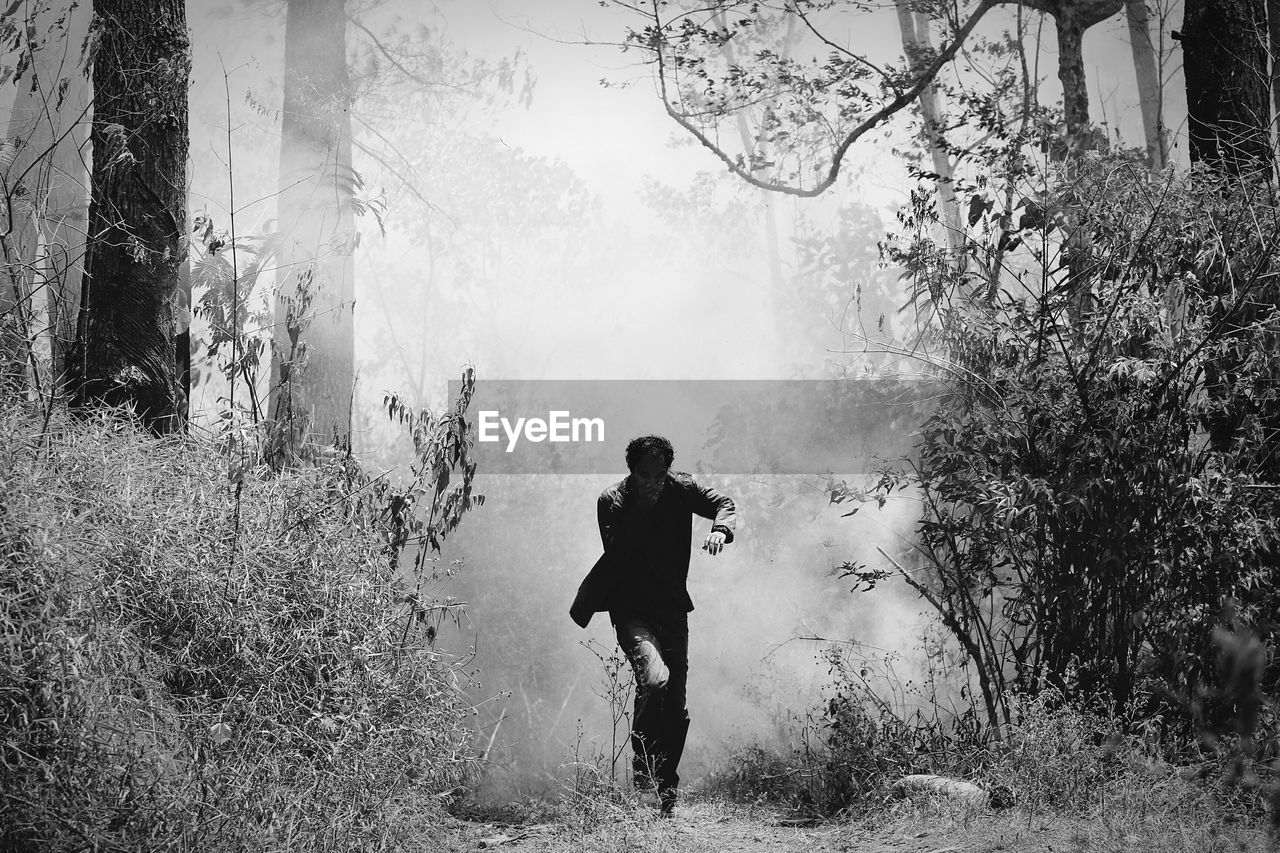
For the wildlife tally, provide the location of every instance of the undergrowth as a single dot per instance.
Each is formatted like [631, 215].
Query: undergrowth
[1057, 759]
[190, 665]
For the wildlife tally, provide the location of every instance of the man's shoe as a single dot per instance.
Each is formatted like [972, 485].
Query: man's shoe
[667, 803]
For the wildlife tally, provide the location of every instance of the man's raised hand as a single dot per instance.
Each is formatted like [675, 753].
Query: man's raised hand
[715, 543]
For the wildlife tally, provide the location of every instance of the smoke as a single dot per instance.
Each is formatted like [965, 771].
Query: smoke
[764, 611]
[561, 235]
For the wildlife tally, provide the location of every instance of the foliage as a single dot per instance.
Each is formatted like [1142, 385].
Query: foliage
[839, 280]
[734, 61]
[1078, 757]
[196, 667]
[618, 691]
[232, 306]
[23, 36]
[1099, 483]
[441, 444]
[844, 755]
[1059, 757]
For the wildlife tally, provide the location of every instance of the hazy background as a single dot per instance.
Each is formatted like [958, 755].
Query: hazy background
[541, 225]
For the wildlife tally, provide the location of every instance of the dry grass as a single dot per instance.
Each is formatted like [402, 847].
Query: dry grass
[611, 822]
[182, 670]
[1082, 781]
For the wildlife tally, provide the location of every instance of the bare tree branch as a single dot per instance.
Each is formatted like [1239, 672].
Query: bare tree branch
[902, 100]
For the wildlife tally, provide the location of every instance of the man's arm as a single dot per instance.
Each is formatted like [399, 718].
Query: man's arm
[709, 503]
[608, 513]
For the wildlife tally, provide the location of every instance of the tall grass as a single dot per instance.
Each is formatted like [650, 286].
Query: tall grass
[185, 667]
[1058, 759]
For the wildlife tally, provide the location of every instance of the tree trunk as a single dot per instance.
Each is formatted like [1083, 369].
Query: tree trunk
[916, 45]
[1075, 90]
[1145, 68]
[1228, 120]
[1225, 65]
[1071, 18]
[124, 348]
[314, 350]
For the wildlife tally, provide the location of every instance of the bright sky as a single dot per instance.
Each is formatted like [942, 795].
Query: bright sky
[613, 139]
[612, 136]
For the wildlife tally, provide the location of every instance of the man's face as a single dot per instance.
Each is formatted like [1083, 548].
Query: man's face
[648, 476]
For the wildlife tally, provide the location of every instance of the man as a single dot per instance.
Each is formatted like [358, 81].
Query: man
[645, 525]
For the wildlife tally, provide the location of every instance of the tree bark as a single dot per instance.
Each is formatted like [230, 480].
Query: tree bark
[1071, 18]
[1145, 68]
[1075, 90]
[916, 44]
[124, 348]
[1224, 47]
[1225, 65]
[314, 350]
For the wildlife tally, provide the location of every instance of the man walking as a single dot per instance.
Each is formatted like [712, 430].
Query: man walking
[645, 525]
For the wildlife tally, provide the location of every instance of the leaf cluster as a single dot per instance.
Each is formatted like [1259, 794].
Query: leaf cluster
[1099, 484]
[442, 444]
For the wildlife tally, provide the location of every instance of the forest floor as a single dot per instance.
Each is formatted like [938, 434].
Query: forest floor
[709, 826]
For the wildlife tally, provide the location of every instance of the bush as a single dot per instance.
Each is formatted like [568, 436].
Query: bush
[1059, 758]
[188, 664]
[848, 752]
[1099, 483]
[1065, 757]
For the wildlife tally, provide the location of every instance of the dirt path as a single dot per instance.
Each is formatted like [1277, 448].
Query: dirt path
[710, 827]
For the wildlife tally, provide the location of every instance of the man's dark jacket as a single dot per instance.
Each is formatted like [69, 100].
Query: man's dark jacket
[645, 566]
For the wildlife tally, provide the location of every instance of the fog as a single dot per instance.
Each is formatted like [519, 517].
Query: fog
[541, 225]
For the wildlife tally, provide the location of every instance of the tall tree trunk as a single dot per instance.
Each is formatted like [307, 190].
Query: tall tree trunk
[916, 44]
[124, 348]
[1228, 106]
[1145, 68]
[314, 350]
[1071, 18]
[1075, 90]
[1225, 65]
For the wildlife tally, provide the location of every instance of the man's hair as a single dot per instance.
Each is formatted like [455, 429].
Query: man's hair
[641, 447]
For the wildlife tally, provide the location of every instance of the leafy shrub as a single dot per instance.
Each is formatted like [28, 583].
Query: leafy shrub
[847, 753]
[1100, 482]
[1065, 756]
[1058, 757]
[191, 665]
[1054, 757]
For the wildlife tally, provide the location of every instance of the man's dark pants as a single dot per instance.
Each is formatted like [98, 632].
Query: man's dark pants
[661, 720]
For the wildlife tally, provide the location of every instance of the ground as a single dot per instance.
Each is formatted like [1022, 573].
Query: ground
[717, 827]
